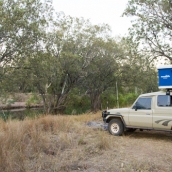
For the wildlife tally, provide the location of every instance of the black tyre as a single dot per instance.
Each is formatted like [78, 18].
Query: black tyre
[116, 127]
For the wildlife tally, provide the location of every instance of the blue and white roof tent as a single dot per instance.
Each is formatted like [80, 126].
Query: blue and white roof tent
[165, 76]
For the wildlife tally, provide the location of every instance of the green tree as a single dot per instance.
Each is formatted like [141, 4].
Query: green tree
[102, 71]
[22, 40]
[152, 25]
[21, 27]
[73, 43]
[137, 71]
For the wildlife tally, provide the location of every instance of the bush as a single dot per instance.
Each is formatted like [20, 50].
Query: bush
[77, 104]
[33, 100]
[109, 99]
[128, 99]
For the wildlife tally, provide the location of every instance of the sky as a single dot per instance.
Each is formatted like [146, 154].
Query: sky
[98, 12]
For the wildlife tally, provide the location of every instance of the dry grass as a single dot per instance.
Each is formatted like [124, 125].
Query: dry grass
[66, 143]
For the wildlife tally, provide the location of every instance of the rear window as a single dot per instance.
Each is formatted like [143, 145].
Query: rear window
[164, 100]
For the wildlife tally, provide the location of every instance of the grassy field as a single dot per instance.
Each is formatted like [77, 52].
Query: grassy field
[66, 143]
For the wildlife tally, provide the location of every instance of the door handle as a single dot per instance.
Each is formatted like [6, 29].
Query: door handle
[147, 114]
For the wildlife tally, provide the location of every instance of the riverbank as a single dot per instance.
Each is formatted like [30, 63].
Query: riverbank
[18, 105]
[20, 101]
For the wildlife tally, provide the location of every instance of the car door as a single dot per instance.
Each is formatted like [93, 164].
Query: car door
[162, 117]
[140, 115]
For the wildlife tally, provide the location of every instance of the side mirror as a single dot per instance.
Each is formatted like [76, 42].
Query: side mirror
[135, 107]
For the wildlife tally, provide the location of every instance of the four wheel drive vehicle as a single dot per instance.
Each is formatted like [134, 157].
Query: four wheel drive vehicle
[151, 111]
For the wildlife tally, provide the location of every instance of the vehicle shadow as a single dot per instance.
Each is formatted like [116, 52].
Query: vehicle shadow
[153, 135]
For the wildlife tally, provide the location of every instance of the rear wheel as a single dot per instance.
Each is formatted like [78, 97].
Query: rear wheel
[116, 127]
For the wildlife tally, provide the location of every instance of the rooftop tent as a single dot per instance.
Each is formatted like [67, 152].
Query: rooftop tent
[165, 76]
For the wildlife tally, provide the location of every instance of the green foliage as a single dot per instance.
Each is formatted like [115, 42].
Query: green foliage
[127, 100]
[22, 26]
[4, 97]
[5, 115]
[21, 115]
[76, 103]
[29, 113]
[74, 65]
[152, 26]
[33, 100]
[109, 99]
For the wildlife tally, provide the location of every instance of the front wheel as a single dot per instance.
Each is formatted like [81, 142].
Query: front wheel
[116, 127]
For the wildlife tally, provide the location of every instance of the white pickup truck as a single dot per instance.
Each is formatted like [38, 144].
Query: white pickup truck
[151, 111]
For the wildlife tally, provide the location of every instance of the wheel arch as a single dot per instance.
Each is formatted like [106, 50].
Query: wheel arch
[116, 117]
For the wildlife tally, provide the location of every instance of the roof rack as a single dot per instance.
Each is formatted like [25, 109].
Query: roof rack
[168, 91]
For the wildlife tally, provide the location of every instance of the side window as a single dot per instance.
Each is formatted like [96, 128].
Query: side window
[143, 103]
[164, 100]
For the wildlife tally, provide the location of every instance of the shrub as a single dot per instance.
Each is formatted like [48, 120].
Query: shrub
[77, 104]
[33, 100]
[127, 99]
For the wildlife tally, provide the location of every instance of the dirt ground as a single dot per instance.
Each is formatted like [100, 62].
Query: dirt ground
[80, 144]
[98, 151]
[139, 151]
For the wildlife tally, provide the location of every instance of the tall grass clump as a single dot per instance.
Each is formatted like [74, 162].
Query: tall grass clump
[104, 141]
[19, 141]
[31, 144]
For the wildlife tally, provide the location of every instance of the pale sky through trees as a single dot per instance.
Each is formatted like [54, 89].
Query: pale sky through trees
[98, 11]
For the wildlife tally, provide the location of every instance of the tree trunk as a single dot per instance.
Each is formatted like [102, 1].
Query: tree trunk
[95, 101]
[59, 105]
